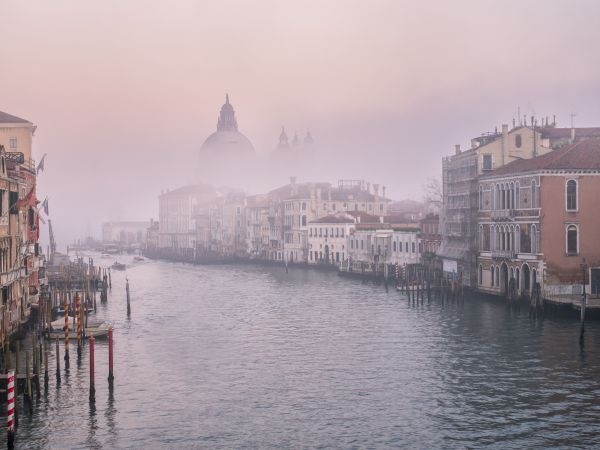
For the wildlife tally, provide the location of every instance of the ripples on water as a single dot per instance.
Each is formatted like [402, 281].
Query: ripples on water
[249, 356]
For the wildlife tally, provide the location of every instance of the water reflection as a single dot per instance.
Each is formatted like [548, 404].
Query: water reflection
[222, 357]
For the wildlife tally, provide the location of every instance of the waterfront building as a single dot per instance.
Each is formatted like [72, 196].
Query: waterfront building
[256, 213]
[125, 233]
[374, 246]
[328, 236]
[152, 236]
[538, 222]
[22, 271]
[177, 211]
[460, 174]
[16, 135]
[430, 239]
[297, 204]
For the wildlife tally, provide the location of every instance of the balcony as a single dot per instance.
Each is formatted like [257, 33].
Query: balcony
[502, 214]
[11, 276]
[503, 254]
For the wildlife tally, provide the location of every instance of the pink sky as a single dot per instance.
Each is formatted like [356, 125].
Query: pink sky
[124, 92]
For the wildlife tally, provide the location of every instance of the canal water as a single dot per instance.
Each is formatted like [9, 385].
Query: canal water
[252, 357]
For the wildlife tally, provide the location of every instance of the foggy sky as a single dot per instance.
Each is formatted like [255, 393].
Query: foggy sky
[125, 92]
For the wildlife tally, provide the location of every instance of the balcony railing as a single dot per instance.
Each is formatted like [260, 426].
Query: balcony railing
[503, 254]
[502, 214]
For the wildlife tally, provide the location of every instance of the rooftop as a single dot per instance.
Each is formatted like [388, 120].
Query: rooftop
[348, 217]
[8, 118]
[583, 155]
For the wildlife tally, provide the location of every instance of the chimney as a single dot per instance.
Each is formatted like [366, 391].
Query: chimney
[383, 191]
[457, 149]
[376, 191]
[380, 219]
[572, 134]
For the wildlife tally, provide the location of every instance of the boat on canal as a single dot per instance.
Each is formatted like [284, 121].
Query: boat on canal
[97, 329]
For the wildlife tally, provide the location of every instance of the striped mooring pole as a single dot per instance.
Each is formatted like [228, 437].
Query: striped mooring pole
[10, 409]
[92, 375]
[79, 328]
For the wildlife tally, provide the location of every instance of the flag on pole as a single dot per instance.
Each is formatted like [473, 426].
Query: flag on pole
[40, 165]
[45, 206]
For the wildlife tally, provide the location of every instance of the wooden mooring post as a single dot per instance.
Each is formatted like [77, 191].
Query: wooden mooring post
[57, 364]
[111, 377]
[128, 299]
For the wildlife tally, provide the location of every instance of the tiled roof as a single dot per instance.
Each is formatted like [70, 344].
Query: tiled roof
[565, 133]
[8, 118]
[348, 217]
[582, 155]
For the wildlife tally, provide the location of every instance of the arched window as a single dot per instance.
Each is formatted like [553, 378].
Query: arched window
[518, 141]
[534, 192]
[480, 274]
[517, 191]
[512, 196]
[571, 195]
[493, 273]
[394, 246]
[497, 276]
[534, 248]
[526, 280]
[517, 278]
[572, 240]
[518, 239]
[480, 198]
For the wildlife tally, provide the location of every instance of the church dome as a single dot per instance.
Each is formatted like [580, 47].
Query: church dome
[227, 141]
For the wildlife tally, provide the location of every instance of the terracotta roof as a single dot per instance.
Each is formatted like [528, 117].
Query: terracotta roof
[8, 118]
[565, 133]
[581, 155]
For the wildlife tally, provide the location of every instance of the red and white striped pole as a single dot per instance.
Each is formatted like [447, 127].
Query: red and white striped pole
[92, 375]
[110, 356]
[10, 409]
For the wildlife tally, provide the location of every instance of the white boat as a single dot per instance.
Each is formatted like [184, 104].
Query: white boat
[94, 328]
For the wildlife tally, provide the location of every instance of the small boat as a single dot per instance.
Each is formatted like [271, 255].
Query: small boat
[118, 266]
[94, 328]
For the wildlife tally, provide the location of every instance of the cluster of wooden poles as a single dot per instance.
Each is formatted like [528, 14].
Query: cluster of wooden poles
[62, 292]
[418, 282]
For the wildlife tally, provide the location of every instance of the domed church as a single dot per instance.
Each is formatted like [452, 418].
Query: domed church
[225, 152]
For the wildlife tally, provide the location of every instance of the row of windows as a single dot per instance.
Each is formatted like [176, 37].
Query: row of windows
[497, 278]
[326, 232]
[507, 196]
[523, 239]
[325, 257]
[396, 246]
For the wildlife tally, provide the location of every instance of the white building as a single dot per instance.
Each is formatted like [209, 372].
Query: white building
[372, 246]
[328, 237]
